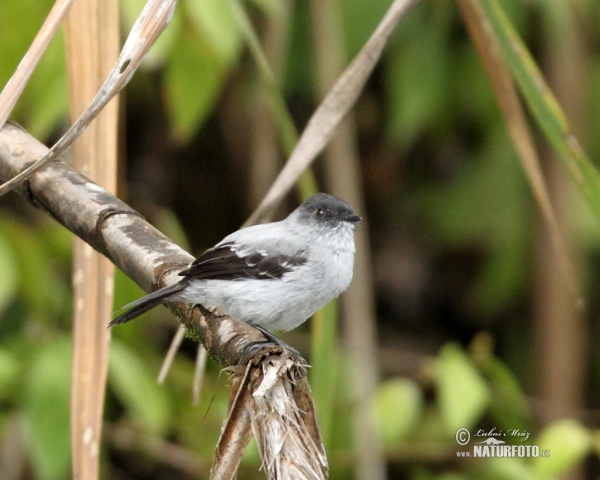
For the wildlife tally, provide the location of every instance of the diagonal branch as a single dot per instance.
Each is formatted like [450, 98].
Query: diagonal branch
[147, 256]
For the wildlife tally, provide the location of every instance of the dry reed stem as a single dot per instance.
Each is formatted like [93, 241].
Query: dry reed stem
[562, 337]
[200, 369]
[170, 356]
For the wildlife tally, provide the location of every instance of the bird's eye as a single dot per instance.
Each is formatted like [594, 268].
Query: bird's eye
[320, 213]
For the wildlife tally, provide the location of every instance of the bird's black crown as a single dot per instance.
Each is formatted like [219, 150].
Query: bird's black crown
[325, 207]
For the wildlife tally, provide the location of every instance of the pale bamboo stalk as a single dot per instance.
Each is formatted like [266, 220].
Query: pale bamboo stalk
[92, 40]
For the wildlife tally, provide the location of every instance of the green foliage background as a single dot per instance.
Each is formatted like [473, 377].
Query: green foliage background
[444, 189]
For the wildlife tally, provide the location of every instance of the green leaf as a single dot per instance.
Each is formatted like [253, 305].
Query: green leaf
[202, 57]
[35, 268]
[193, 80]
[567, 443]
[360, 19]
[216, 22]
[398, 407]
[504, 469]
[417, 86]
[46, 410]
[463, 395]
[9, 369]
[126, 290]
[45, 101]
[325, 360]
[508, 405]
[299, 72]
[168, 223]
[543, 105]
[20, 22]
[485, 205]
[8, 273]
[146, 402]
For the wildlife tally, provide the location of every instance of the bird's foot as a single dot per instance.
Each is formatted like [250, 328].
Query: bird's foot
[275, 340]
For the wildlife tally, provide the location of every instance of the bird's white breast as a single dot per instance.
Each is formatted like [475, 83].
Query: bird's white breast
[283, 304]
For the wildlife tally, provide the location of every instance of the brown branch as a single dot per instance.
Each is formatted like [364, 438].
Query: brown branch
[117, 231]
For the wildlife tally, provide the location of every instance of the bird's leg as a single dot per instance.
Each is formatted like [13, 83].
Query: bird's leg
[273, 339]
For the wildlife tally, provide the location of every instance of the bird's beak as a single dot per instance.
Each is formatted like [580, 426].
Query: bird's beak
[353, 218]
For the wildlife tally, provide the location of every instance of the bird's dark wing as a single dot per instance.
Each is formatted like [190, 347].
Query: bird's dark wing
[227, 262]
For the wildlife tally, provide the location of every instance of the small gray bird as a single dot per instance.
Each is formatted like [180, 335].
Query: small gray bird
[274, 275]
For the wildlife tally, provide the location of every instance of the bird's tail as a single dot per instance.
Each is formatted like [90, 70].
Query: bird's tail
[142, 305]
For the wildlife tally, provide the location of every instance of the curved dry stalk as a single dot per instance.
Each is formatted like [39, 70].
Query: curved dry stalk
[235, 434]
[148, 257]
[155, 17]
[332, 110]
[16, 84]
[201, 358]
[170, 356]
[510, 105]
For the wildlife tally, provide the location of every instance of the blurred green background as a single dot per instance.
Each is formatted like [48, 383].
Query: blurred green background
[477, 326]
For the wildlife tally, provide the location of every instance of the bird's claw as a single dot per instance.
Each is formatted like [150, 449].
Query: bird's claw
[254, 347]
